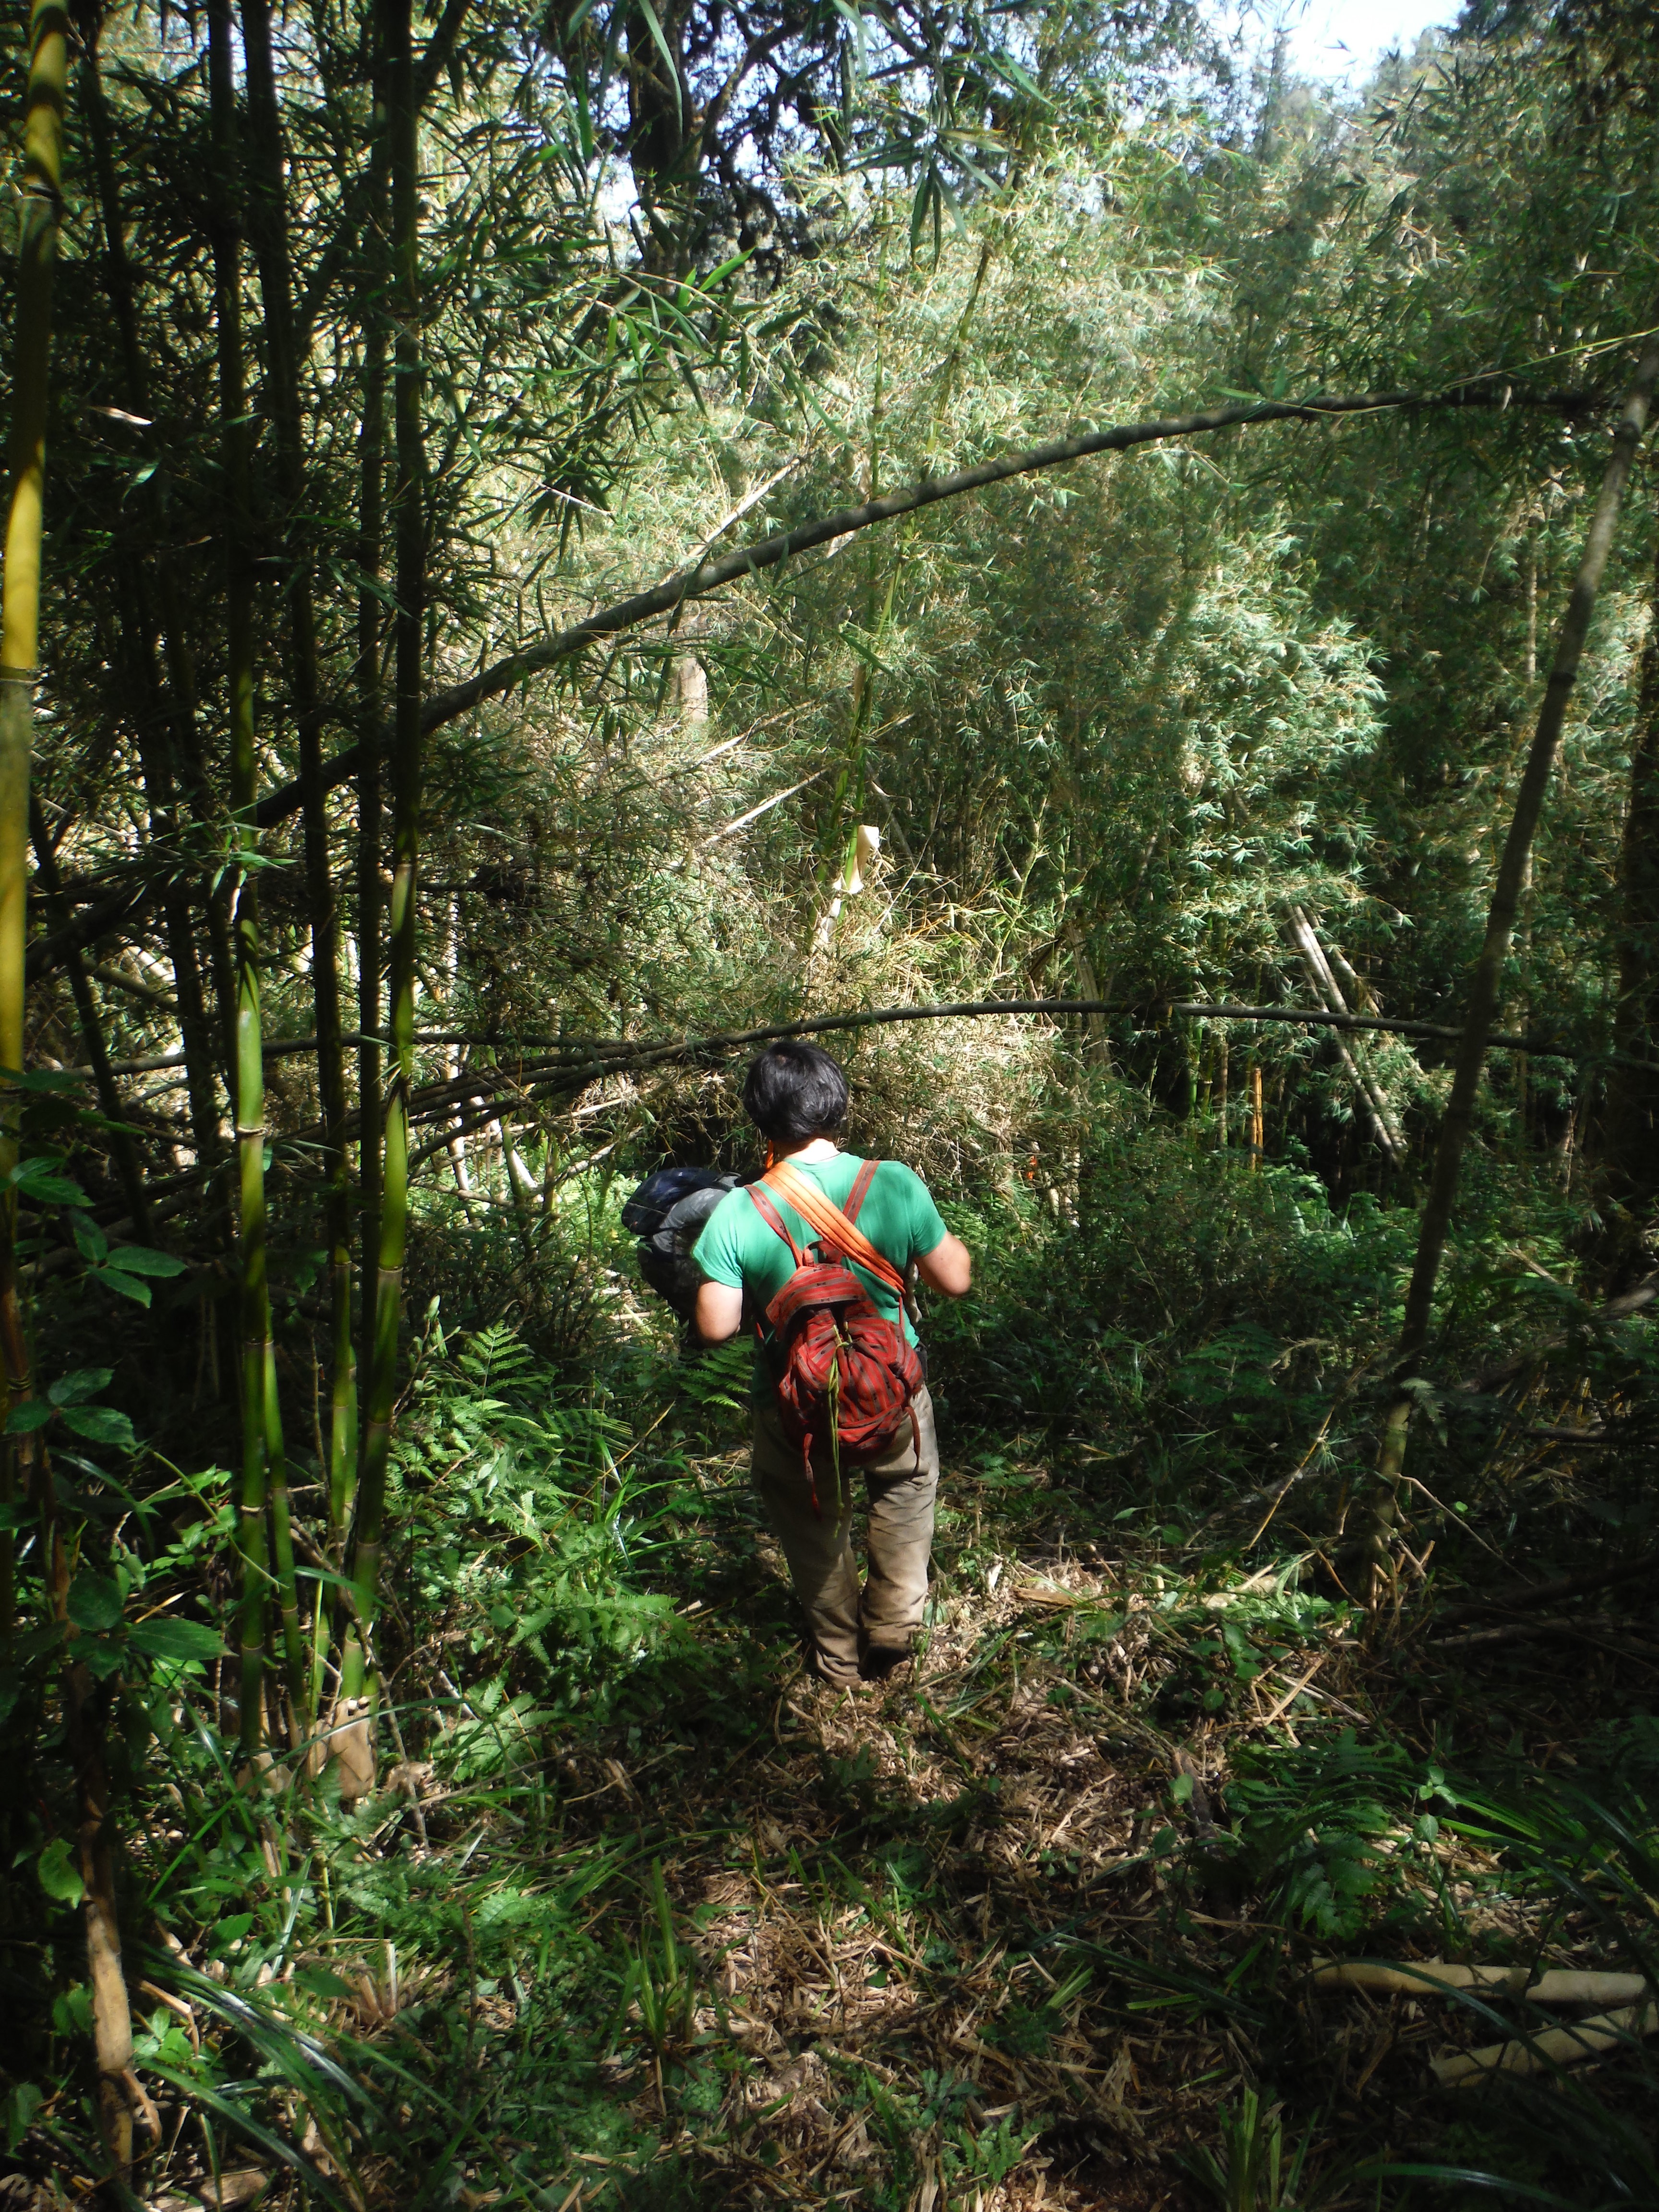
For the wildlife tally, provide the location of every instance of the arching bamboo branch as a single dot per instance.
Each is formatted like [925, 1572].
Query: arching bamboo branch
[708, 576]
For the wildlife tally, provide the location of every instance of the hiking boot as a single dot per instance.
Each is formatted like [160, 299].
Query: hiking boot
[882, 1661]
[818, 1672]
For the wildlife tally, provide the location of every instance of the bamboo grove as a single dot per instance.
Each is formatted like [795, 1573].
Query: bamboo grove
[357, 286]
[365, 441]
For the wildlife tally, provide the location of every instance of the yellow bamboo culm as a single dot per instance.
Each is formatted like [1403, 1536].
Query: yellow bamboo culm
[120, 2094]
[20, 631]
[19, 596]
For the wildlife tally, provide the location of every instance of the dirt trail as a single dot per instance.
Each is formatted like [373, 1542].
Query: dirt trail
[904, 1899]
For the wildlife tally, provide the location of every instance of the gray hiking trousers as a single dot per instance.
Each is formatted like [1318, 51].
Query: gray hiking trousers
[848, 1624]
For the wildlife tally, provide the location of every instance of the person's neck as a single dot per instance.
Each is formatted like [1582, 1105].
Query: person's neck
[815, 1148]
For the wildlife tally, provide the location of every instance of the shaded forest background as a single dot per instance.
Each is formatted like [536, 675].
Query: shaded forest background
[414, 1797]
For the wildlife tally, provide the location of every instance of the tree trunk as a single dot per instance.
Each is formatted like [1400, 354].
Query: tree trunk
[1489, 969]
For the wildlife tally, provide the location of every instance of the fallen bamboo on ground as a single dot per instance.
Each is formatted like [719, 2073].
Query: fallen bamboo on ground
[1557, 1985]
[1556, 2046]
[1591, 1624]
[1636, 2015]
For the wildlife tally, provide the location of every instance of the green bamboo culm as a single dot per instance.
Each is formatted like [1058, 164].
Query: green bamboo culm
[40, 203]
[371, 531]
[268, 225]
[262, 1443]
[409, 587]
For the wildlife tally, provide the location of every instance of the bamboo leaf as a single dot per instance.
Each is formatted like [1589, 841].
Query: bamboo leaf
[242, 2122]
[668, 62]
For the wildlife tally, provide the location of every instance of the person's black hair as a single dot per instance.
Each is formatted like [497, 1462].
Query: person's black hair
[795, 1092]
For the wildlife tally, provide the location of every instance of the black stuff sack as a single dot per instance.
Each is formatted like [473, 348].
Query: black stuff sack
[668, 1213]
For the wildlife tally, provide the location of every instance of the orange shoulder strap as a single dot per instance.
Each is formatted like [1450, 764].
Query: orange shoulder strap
[825, 1219]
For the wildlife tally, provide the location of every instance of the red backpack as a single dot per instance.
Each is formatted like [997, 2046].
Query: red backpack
[848, 1374]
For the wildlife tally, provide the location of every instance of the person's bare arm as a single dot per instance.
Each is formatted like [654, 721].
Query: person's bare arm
[720, 1311]
[948, 1267]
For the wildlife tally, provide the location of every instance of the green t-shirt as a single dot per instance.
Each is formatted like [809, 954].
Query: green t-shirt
[742, 1250]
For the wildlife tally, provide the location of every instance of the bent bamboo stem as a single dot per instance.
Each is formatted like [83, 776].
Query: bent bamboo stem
[622, 1052]
[1325, 985]
[706, 576]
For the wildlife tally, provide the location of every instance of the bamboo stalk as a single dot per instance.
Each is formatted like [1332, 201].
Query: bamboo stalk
[20, 624]
[143, 675]
[1318, 971]
[409, 525]
[1595, 2037]
[371, 553]
[1559, 1985]
[20, 631]
[255, 1302]
[121, 2095]
[1436, 1223]
[172, 704]
[268, 227]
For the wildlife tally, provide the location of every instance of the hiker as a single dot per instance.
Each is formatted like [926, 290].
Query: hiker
[839, 1391]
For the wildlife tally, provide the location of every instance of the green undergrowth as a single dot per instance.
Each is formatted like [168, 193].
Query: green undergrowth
[632, 1908]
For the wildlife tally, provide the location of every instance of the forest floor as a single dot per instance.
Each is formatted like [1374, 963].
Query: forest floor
[1023, 1928]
